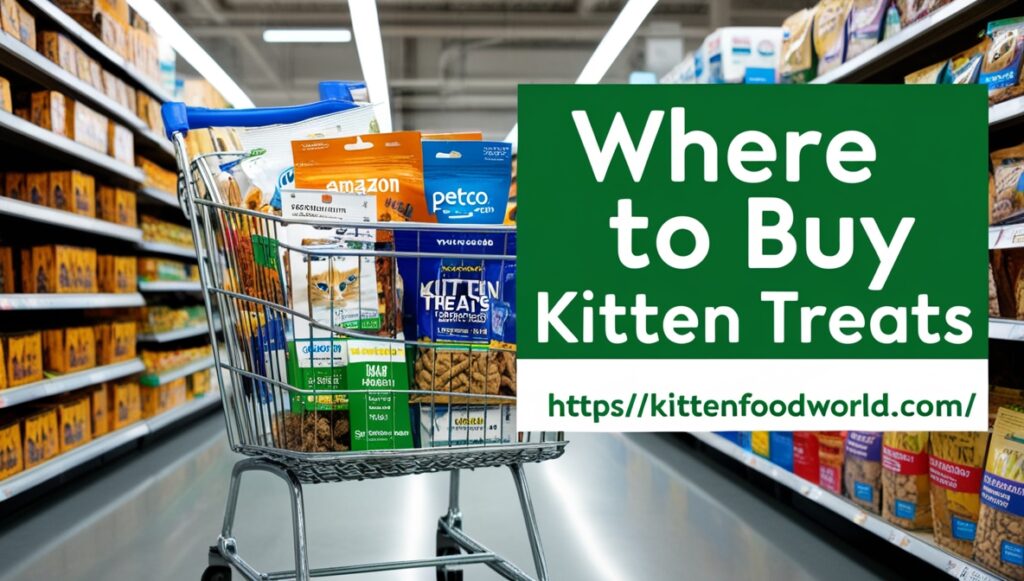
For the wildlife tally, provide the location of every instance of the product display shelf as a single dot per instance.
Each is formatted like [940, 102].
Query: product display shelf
[169, 249]
[170, 286]
[933, 28]
[155, 379]
[1006, 114]
[917, 544]
[37, 475]
[54, 217]
[20, 58]
[20, 133]
[1002, 237]
[161, 196]
[178, 334]
[1006, 329]
[86, 39]
[35, 302]
[64, 383]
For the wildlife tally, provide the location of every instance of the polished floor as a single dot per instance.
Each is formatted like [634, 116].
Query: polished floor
[613, 508]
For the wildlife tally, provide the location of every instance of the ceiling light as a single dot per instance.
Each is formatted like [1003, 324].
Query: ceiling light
[164, 25]
[298, 35]
[371, 58]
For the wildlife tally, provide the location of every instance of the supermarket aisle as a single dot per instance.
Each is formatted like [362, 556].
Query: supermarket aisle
[611, 509]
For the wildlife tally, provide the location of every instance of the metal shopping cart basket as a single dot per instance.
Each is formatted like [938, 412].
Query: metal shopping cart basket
[303, 434]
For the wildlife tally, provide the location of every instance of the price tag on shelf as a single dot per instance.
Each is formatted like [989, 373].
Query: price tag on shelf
[805, 490]
[860, 518]
[993, 237]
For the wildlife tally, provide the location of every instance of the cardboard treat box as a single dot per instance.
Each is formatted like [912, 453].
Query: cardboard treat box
[61, 50]
[11, 460]
[115, 341]
[39, 432]
[37, 189]
[7, 276]
[9, 17]
[70, 349]
[117, 274]
[14, 185]
[98, 405]
[75, 422]
[26, 27]
[124, 403]
[24, 358]
[50, 110]
[120, 143]
[5, 96]
[116, 205]
[89, 127]
[72, 191]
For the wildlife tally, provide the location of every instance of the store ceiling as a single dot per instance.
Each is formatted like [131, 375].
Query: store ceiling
[449, 56]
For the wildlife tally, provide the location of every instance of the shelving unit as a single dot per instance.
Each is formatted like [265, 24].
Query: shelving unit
[1003, 237]
[170, 286]
[161, 196]
[168, 249]
[45, 215]
[918, 545]
[36, 302]
[32, 477]
[177, 334]
[155, 379]
[65, 383]
[1006, 329]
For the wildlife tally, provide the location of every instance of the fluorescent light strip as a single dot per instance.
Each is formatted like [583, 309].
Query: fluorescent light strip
[371, 57]
[625, 26]
[165, 25]
[302, 35]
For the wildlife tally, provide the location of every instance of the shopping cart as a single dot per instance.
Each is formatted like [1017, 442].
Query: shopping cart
[302, 435]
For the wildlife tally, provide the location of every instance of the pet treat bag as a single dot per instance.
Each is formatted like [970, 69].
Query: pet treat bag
[964, 68]
[467, 182]
[780, 449]
[999, 543]
[1001, 65]
[955, 468]
[862, 473]
[1008, 172]
[830, 461]
[905, 497]
[866, 20]
[806, 463]
[930, 75]
[268, 163]
[830, 22]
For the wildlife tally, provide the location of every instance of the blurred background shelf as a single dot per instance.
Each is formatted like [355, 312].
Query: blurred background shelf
[65, 383]
[10, 302]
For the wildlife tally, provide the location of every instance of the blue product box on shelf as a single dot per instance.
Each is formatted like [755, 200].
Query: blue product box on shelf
[782, 449]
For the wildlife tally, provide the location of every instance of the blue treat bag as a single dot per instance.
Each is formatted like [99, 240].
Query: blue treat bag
[467, 182]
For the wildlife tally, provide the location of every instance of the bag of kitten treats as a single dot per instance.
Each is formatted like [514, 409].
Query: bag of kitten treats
[363, 179]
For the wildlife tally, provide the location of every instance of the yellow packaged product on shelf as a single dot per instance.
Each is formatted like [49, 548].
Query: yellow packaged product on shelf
[73, 191]
[7, 276]
[115, 341]
[116, 205]
[125, 403]
[50, 110]
[120, 143]
[117, 274]
[5, 96]
[74, 421]
[14, 185]
[955, 468]
[98, 406]
[11, 461]
[41, 442]
[37, 189]
[70, 349]
[829, 32]
[905, 486]
[759, 444]
[61, 50]
[9, 17]
[799, 61]
[1008, 169]
[24, 358]
[999, 543]
[89, 127]
[3, 366]
[154, 400]
[26, 27]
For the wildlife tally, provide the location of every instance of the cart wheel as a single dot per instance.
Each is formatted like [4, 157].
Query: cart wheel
[217, 573]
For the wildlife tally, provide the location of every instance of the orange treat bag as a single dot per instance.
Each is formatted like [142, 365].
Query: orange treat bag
[387, 165]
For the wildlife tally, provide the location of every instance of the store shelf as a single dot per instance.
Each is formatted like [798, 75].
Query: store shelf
[1002, 237]
[171, 286]
[21, 133]
[33, 65]
[1006, 329]
[170, 249]
[918, 545]
[65, 383]
[84, 38]
[36, 302]
[45, 215]
[916, 37]
[161, 196]
[155, 379]
[178, 334]
[32, 477]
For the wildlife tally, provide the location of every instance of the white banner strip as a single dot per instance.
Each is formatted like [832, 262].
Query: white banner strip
[651, 395]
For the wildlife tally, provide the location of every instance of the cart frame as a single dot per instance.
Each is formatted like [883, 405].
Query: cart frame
[205, 208]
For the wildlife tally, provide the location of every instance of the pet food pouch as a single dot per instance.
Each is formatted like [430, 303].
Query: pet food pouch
[268, 160]
[830, 20]
[866, 21]
[905, 498]
[914, 10]
[1008, 173]
[830, 458]
[806, 464]
[760, 444]
[999, 543]
[1001, 65]
[930, 75]
[892, 22]
[862, 473]
[799, 59]
[467, 181]
[963, 69]
[955, 468]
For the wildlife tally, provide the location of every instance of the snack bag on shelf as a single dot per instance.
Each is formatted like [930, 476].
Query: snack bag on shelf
[830, 23]
[39, 430]
[269, 152]
[999, 542]
[70, 349]
[955, 468]
[1001, 65]
[11, 459]
[867, 18]
[1008, 169]
[914, 10]
[905, 486]
[780, 449]
[830, 457]
[24, 354]
[760, 444]
[964, 68]
[74, 422]
[806, 463]
[862, 474]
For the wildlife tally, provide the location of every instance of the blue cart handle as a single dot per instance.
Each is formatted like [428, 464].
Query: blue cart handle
[179, 118]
